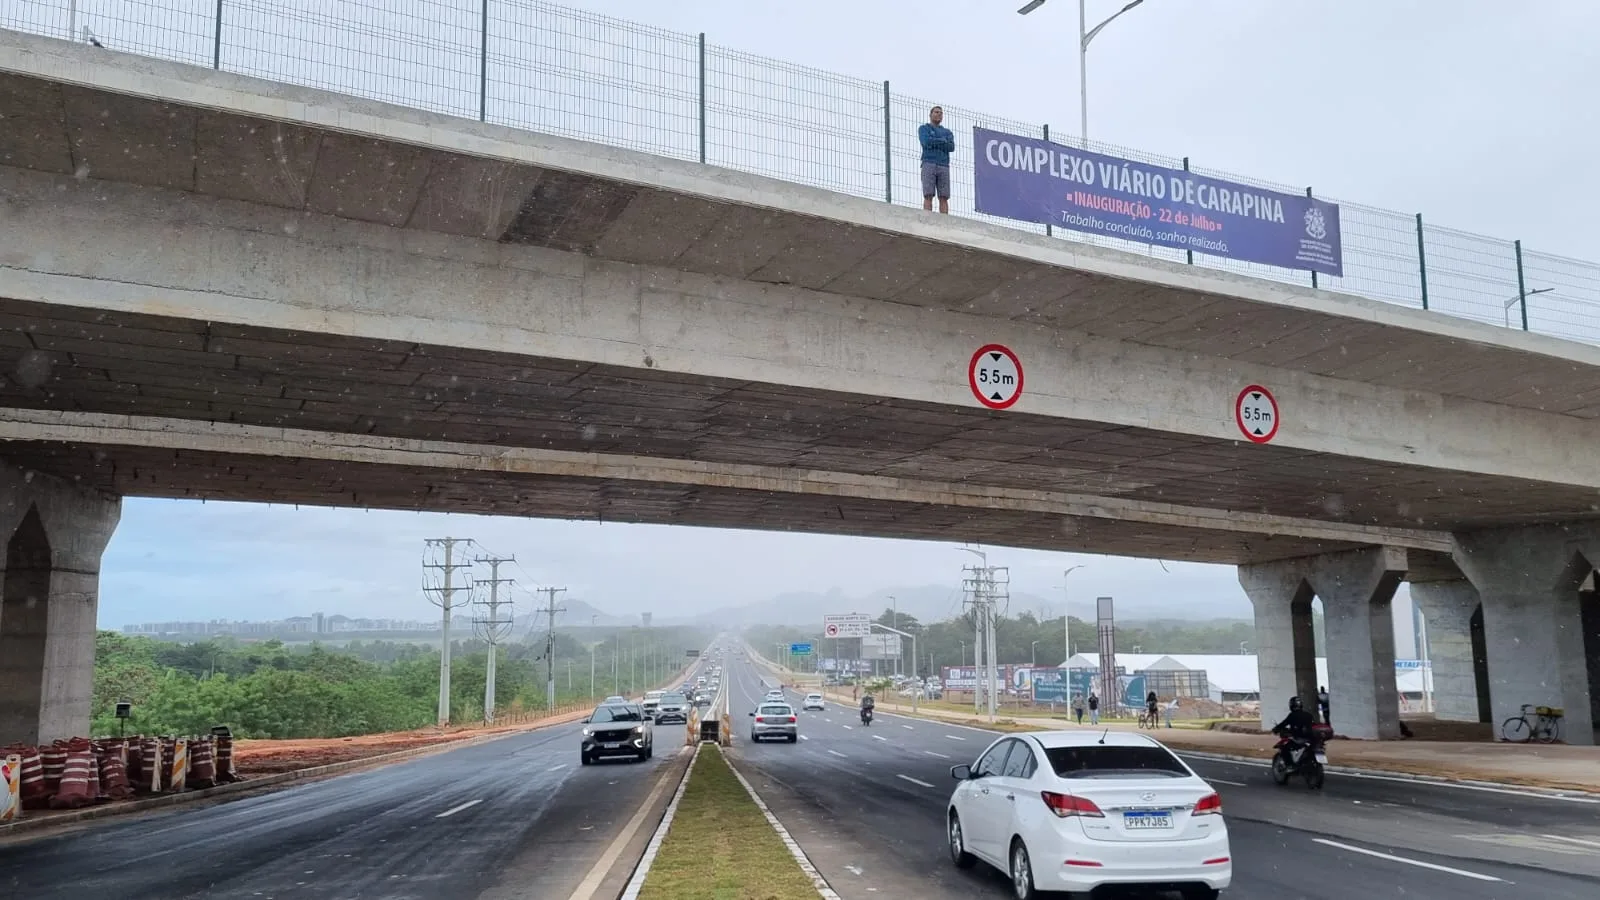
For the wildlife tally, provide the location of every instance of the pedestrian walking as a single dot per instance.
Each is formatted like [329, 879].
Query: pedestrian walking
[1172, 710]
[937, 144]
[1077, 709]
[1094, 708]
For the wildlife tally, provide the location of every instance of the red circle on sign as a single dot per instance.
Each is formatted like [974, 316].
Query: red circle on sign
[972, 376]
[832, 630]
[1238, 414]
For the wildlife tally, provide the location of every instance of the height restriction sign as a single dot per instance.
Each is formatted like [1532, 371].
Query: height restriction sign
[995, 376]
[1256, 413]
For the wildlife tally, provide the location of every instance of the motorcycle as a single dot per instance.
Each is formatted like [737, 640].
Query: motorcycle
[866, 715]
[1308, 759]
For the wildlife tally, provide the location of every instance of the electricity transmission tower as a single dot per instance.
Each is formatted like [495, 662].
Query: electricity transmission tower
[986, 587]
[550, 611]
[492, 627]
[443, 595]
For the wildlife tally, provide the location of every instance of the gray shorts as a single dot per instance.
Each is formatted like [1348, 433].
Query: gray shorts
[935, 180]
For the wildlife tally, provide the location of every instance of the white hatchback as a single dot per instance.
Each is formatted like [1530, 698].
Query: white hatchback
[1073, 810]
[812, 701]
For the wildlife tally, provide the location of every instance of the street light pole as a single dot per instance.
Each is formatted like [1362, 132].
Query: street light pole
[1066, 631]
[1085, 35]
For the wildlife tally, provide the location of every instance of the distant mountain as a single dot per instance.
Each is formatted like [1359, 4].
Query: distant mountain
[932, 603]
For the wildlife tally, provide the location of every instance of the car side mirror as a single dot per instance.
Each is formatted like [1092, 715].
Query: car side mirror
[586, 721]
[961, 773]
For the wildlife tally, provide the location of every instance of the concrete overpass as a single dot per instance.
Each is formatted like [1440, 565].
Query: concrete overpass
[218, 287]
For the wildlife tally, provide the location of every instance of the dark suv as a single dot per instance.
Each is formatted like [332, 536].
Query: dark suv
[617, 729]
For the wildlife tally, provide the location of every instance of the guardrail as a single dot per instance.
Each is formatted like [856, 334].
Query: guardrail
[543, 67]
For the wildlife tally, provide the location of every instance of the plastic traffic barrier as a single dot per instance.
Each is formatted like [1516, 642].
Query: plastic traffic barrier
[202, 764]
[150, 780]
[114, 783]
[34, 795]
[179, 771]
[11, 787]
[54, 761]
[224, 740]
[80, 778]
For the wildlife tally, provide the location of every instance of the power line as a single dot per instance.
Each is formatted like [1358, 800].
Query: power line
[446, 592]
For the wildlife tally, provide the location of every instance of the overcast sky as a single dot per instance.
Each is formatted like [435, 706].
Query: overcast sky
[1479, 114]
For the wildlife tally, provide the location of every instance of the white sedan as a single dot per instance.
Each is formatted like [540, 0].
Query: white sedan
[1073, 810]
[812, 701]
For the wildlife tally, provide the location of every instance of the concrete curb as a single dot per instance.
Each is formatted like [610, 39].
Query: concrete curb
[641, 871]
[824, 890]
[1575, 794]
[222, 790]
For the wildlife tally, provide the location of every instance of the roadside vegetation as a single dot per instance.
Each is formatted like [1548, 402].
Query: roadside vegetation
[267, 689]
[720, 846]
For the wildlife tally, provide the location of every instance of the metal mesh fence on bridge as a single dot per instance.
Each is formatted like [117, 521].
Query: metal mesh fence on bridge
[543, 67]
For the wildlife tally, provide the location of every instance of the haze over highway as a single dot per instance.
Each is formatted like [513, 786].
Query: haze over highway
[867, 805]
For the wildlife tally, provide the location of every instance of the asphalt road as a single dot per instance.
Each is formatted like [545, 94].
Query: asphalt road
[512, 818]
[867, 805]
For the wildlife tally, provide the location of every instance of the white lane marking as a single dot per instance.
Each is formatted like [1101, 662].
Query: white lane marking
[602, 867]
[804, 738]
[849, 728]
[879, 737]
[1410, 862]
[954, 738]
[1225, 781]
[1573, 840]
[940, 755]
[1418, 782]
[455, 809]
[556, 766]
[907, 727]
[838, 754]
[636, 883]
[914, 781]
[824, 890]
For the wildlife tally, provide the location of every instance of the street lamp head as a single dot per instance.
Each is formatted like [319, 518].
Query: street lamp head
[1032, 5]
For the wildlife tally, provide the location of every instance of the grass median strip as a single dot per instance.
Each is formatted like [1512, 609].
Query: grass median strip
[720, 846]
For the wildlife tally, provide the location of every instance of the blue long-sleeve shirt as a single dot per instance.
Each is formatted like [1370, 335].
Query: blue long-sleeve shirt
[937, 143]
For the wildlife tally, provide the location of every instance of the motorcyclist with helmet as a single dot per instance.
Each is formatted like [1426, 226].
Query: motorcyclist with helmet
[1297, 726]
[866, 708]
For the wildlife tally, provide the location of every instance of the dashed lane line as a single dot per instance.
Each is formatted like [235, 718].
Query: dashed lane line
[1410, 862]
[914, 781]
[455, 809]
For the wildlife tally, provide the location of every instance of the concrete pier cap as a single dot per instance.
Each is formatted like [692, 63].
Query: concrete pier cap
[54, 534]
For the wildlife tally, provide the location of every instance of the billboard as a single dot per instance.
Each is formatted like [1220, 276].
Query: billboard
[881, 646]
[1031, 180]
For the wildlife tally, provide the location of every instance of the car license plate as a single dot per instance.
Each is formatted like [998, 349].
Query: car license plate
[1136, 821]
[611, 745]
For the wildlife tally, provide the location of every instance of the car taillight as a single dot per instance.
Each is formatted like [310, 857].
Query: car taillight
[793, 719]
[1209, 805]
[1065, 805]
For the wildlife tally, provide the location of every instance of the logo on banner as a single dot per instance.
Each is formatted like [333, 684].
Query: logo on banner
[1316, 224]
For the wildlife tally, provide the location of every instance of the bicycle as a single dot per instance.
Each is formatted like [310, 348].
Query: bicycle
[1148, 719]
[1545, 728]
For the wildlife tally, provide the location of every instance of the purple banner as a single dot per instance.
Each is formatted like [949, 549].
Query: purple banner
[1039, 181]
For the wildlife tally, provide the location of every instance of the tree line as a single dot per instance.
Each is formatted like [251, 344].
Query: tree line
[1025, 639]
[268, 689]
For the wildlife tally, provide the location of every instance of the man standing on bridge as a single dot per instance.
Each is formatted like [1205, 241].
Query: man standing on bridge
[937, 145]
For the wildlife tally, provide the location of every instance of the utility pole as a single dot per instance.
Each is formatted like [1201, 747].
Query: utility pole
[550, 611]
[492, 628]
[446, 601]
[986, 590]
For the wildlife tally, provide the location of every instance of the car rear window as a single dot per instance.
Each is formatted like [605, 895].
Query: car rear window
[775, 711]
[672, 698]
[1114, 762]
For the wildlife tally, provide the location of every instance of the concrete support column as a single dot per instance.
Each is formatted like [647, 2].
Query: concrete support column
[1357, 588]
[1447, 609]
[1533, 623]
[53, 534]
[1286, 657]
